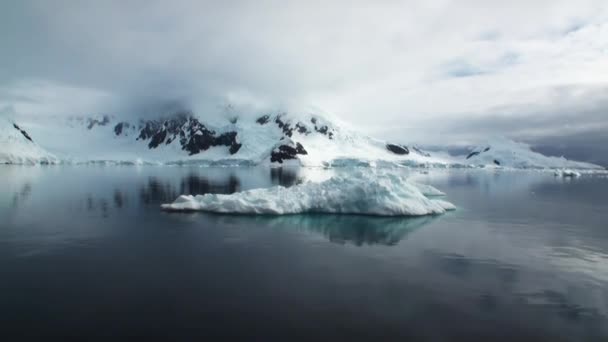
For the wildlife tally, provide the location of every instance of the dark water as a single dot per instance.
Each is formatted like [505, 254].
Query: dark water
[86, 252]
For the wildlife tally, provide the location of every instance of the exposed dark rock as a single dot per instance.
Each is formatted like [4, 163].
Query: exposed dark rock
[496, 162]
[193, 136]
[472, 154]
[421, 152]
[286, 127]
[234, 148]
[322, 129]
[120, 127]
[262, 120]
[397, 149]
[23, 132]
[486, 149]
[300, 149]
[93, 122]
[148, 129]
[157, 139]
[301, 128]
[286, 152]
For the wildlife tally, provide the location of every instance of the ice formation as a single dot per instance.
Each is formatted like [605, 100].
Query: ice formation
[365, 193]
[567, 173]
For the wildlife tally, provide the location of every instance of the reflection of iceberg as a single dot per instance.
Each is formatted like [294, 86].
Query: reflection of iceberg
[342, 229]
[367, 193]
[354, 230]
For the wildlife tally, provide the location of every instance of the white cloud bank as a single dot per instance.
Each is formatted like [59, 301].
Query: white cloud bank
[403, 69]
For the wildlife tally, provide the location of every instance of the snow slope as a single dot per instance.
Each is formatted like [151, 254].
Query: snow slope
[502, 152]
[368, 193]
[18, 147]
[186, 139]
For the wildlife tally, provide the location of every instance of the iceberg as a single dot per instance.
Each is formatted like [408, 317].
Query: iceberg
[567, 173]
[363, 193]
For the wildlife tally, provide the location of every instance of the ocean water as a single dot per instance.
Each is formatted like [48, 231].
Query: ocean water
[86, 252]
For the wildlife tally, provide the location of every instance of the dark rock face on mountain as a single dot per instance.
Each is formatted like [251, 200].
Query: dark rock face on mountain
[476, 153]
[118, 129]
[323, 129]
[397, 149]
[264, 119]
[496, 162]
[287, 151]
[96, 122]
[472, 154]
[193, 136]
[27, 136]
[286, 127]
[202, 140]
[420, 152]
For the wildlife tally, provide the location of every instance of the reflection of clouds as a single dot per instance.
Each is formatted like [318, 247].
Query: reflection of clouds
[466, 267]
[499, 181]
[561, 304]
[593, 264]
[341, 229]
[503, 288]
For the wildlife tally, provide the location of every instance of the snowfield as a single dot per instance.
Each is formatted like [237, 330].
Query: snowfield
[365, 193]
[501, 152]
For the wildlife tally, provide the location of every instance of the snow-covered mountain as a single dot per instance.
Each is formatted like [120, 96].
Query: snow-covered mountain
[182, 138]
[307, 139]
[18, 147]
[507, 153]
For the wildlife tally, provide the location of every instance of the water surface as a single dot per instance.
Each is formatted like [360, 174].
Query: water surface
[86, 252]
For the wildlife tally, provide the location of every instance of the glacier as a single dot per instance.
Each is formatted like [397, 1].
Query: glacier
[364, 193]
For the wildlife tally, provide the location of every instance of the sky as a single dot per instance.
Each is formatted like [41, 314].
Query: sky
[432, 72]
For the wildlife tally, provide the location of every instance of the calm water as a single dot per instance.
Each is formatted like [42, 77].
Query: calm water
[85, 251]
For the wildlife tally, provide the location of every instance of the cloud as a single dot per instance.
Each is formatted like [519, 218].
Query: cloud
[394, 68]
[460, 68]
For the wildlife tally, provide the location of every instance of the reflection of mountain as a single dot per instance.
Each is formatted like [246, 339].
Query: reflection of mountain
[157, 191]
[285, 176]
[357, 230]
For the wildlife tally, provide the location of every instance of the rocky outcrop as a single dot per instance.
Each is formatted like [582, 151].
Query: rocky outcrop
[264, 119]
[472, 154]
[397, 149]
[23, 132]
[420, 152]
[286, 151]
[92, 122]
[184, 129]
[323, 129]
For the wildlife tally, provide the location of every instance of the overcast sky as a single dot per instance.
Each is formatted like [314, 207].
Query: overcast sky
[428, 71]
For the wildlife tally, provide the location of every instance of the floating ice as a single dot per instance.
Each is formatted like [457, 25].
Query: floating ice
[366, 193]
[567, 173]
